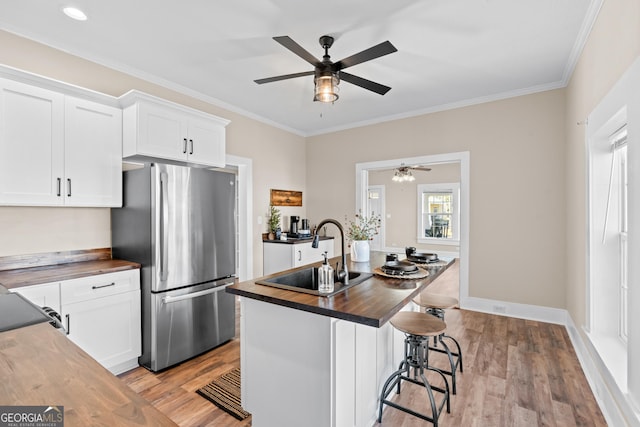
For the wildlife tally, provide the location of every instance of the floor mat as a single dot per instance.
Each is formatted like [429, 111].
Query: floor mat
[224, 392]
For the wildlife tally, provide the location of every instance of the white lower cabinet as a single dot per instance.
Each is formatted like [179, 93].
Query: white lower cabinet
[283, 256]
[107, 328]
[45, 295]
[100, 313]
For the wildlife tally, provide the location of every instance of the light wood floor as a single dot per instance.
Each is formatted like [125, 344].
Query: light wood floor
[516, 373]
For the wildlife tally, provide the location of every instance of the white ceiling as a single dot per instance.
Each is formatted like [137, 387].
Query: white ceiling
[450, 52]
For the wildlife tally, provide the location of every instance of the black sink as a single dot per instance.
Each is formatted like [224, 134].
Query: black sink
[306, 281]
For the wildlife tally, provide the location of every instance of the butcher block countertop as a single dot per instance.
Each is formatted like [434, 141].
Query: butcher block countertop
[372, 302]
[40, 366]
[27, 270]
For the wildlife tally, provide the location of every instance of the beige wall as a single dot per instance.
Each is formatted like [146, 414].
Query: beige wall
[517, 186]
[614, 43]
[34, 230]
[401, 204]
[527, 158]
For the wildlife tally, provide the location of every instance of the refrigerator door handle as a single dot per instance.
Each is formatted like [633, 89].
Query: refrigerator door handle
[164, 219]
[170, 299]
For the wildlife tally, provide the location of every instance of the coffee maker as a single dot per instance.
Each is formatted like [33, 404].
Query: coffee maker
[293, 228]
[295, 231]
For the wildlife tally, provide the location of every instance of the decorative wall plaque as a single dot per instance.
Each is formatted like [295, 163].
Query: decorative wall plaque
[286, 198]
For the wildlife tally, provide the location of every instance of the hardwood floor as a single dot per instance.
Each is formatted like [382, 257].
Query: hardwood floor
[516, 373]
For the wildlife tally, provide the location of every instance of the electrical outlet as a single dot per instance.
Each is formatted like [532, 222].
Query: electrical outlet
[499, 309]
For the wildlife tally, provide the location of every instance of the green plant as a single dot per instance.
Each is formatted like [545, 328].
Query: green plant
[363, 228]
[274, 218]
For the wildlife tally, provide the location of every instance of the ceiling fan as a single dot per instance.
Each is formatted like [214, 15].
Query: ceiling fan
[403, 173]
[327, 73]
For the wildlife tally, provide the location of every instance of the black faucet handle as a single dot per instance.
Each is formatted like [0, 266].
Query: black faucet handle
[316, 241]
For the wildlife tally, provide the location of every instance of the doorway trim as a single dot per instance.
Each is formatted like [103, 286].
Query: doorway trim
[464, 158]
[245, 207]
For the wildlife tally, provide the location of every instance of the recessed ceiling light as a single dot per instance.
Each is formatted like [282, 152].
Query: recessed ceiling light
[74, 13]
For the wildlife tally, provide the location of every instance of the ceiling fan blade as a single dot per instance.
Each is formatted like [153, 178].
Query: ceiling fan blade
[374, 52]
[284, 77]
[420, 168]
[364, 83]
[294, 47]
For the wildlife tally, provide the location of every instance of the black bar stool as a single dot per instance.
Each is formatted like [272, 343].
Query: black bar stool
[435, 304]
[418, 328]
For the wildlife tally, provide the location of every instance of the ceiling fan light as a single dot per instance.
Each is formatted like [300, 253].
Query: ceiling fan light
[326, 88]
[403, 174]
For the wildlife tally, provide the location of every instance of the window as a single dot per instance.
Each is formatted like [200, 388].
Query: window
[619, 143]
[438, 213]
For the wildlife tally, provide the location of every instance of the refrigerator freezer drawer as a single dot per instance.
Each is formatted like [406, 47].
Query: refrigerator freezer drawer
[188, 322]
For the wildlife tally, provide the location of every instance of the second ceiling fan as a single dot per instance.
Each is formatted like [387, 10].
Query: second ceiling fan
[327, 73]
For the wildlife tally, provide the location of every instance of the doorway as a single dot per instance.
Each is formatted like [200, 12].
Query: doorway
[463, 159]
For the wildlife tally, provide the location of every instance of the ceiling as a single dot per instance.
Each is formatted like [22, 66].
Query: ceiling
[450, 52]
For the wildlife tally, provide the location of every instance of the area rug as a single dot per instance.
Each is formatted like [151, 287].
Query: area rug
[224, 392]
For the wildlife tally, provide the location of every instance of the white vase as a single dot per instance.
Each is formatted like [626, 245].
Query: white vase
[360, 251]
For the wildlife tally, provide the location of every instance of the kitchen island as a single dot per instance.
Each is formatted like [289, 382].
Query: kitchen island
[320, 361]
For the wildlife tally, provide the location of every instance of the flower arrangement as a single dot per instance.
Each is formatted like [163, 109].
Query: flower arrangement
[363, 228]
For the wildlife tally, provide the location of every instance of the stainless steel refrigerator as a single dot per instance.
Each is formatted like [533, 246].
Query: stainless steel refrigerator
[179, 224]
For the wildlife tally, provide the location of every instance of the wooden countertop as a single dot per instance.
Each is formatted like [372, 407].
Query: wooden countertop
[40, 366]
[372, 302]
[19, 277]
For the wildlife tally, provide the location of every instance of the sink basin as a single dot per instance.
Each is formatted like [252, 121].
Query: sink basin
[306, 281]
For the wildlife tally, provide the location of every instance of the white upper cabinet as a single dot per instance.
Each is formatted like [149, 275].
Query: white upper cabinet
[93, 154]
[158, 130]
[58, 150]
[31, 145]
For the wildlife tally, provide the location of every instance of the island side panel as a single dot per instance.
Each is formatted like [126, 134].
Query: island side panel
[286, 365]
[303, 366]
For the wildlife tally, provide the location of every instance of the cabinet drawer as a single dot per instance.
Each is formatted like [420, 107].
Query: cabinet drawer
[98, 286]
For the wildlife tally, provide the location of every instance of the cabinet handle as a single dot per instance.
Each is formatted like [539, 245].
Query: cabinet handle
[66, 316]
[184, 146]
[68, 187]
[299, 255]
[191, 143]
[59, 186]
[103, 286]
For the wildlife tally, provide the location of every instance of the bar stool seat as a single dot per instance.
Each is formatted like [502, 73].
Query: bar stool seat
[418, 328]
[435, 305]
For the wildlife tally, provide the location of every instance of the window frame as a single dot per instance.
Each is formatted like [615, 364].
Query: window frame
[447, 187]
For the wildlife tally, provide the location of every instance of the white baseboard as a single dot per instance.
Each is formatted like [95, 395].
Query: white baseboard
[512, 309]
[615, 405]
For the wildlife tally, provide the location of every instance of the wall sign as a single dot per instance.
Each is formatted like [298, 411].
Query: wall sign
[286, 198]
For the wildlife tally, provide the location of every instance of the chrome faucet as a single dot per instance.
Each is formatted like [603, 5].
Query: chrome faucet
[342, 273]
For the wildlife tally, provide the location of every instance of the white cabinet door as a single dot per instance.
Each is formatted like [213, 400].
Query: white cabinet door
[93, 154]
[31, 145]
[45, 295]
[107, 328]
[158, 132]
[206, 143]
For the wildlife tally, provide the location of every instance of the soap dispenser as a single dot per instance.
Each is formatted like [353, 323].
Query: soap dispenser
[325, 277]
